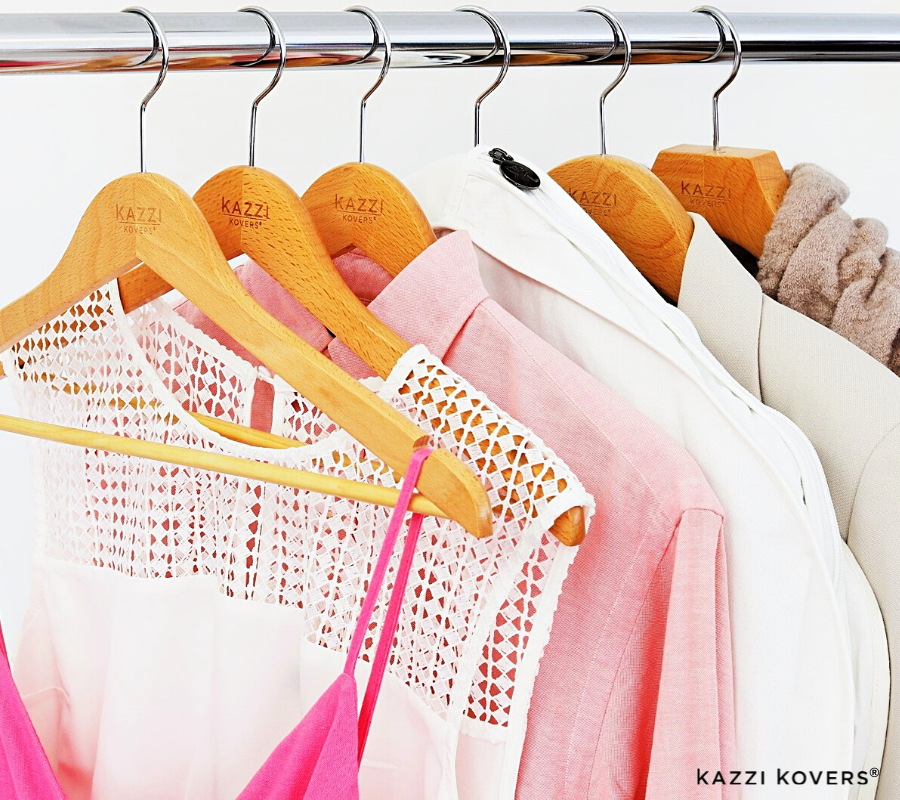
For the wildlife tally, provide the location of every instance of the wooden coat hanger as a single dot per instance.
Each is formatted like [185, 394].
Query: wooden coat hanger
[737, 189]
[176, 243]
[362, 205]
[634, 207]
[252, 212]
[287, 246]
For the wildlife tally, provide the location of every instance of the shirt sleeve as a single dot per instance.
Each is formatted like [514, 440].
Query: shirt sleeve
[694, 727]
[671, 710]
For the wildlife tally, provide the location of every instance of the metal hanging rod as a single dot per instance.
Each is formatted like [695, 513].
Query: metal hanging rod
[34, 43]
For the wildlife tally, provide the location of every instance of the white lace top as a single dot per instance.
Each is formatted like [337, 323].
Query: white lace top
[477, 613]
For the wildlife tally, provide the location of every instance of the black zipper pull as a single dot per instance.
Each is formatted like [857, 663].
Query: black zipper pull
[517, 174]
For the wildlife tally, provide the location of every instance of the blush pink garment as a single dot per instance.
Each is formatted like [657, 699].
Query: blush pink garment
[635, 690]
[318, 760]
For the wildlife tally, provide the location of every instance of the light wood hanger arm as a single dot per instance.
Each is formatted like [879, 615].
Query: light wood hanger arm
[636, 210]
[147, 218]
[737, 189]
[216, 462]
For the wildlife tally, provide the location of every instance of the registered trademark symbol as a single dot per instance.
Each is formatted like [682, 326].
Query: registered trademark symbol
[874, 772]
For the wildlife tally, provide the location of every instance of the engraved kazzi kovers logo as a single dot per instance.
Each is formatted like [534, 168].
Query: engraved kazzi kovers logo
[593, 202]
[245, 214]
[705, 194]
[364, 210]
[138, 219]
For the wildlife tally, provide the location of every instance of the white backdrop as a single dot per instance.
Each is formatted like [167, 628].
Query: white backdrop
[63, 137]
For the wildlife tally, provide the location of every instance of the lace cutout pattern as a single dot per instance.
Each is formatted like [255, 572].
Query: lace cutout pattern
[471, 605]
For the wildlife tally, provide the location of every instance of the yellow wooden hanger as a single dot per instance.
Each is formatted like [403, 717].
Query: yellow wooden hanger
[253, 212]
[632, 205]
[174, 240]
[737, 189]
[362, 205]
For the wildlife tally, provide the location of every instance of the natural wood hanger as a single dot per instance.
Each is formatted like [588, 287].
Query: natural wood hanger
[634, 207]
[146, 218]
[738, 190]
[362, 205]
[177, 244]
[399, 231]
[216, 462]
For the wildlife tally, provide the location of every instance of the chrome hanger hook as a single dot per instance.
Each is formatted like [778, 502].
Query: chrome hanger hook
[722, 22]
[276, 36]
[622, 36]
[381, 37]
[500, 39]
[160, 42]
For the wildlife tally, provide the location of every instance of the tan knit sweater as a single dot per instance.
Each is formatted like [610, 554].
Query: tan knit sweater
[832, 268]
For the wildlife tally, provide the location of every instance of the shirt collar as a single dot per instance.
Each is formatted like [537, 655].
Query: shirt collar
[428, 303]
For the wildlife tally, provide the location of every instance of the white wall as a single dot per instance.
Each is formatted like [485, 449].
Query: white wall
[63, 137]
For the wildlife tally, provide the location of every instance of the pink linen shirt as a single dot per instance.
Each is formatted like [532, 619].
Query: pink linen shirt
[634, 697]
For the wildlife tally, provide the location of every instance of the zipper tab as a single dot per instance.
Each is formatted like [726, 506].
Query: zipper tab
[516, 173]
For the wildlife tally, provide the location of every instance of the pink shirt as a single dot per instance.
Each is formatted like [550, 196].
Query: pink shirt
[634, 695]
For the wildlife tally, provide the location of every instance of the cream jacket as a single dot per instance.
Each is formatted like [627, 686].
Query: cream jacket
[845, 401]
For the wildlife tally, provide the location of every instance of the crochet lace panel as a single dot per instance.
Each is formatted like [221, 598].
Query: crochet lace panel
[471, 605]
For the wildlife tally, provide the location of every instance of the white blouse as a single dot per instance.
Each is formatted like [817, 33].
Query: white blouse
[182, 622]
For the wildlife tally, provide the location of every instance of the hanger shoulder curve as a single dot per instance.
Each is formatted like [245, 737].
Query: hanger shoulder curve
[638, 212]
[253, 212]
[363, 205]
[737, 189]
[147, 218]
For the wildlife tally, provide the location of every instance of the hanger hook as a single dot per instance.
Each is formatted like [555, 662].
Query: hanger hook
[160, 42]
[722, 22]
[381, 37]
[621, 35]
[276, 36]
[501, 39]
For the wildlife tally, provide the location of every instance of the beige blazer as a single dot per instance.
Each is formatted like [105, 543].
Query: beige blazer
[846, 402]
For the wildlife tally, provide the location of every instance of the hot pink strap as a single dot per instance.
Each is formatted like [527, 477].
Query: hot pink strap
[382, 654]
[394, 606]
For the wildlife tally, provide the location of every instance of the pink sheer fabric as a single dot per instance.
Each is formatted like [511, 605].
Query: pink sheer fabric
[318, 760]
[25, 773]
